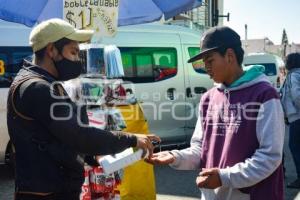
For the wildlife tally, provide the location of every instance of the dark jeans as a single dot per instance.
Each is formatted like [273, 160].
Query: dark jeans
[294, 144]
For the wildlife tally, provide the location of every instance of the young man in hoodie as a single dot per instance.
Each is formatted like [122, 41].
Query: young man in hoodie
[238, 139]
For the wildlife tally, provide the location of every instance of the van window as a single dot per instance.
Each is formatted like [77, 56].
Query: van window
[197, 65]
[12, 58]
[3, 57]
[17, 61]
[148, 64]
[270, 68]
[95, 61]
[127, 61]
[141, 64]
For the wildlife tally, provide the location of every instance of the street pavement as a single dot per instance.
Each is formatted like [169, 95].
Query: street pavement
[170, 184]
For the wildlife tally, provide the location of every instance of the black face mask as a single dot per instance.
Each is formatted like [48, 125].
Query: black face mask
[67, 69]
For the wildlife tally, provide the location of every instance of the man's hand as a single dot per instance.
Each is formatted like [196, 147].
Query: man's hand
[145, 142]
[209, 178]
[161, 158]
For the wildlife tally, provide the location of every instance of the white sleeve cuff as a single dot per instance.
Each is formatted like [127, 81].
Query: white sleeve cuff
[176, 162]
[225, 177]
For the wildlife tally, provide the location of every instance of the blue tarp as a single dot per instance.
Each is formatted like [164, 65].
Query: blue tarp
[29, 12]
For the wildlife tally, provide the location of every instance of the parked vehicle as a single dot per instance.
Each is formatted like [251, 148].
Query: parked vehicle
[155, 63]
[13, 48]
[272, 64]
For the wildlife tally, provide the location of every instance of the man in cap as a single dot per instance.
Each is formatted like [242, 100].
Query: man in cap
[238, 138]
[44, 124]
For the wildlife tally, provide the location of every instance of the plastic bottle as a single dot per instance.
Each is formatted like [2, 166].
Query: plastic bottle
[113, 163]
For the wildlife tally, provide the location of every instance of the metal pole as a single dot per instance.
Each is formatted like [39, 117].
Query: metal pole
[246, 37]
[246, 32]
[210, 12]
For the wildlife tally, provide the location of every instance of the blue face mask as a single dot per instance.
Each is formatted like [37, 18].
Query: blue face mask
[67, 69]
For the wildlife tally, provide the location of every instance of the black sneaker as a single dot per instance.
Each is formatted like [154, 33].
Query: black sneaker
[295, 184]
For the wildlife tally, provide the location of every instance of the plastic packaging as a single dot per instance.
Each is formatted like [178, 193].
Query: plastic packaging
[112, 163]
[113, 62]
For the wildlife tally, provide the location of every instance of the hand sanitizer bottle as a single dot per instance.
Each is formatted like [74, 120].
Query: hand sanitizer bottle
[112, 163]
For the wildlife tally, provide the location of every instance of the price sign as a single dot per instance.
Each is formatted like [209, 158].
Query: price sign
[99, 15]
[2, 69]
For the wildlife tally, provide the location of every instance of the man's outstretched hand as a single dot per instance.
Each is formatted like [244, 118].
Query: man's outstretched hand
[161, 158]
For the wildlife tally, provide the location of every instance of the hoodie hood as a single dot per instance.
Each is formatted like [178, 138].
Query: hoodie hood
[253, 74]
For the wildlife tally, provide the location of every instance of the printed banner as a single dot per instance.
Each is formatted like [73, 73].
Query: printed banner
[98, 15]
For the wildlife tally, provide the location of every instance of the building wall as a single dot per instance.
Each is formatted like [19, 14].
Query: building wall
[266, 45]
[202, 17]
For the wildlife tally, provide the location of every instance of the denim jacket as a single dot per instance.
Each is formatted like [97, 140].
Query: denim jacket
[290, 95]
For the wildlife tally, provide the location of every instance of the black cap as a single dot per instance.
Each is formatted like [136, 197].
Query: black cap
[216, 38]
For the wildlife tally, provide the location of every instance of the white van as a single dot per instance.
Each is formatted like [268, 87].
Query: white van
[13, 49]
[272, 64]
[155, 61]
